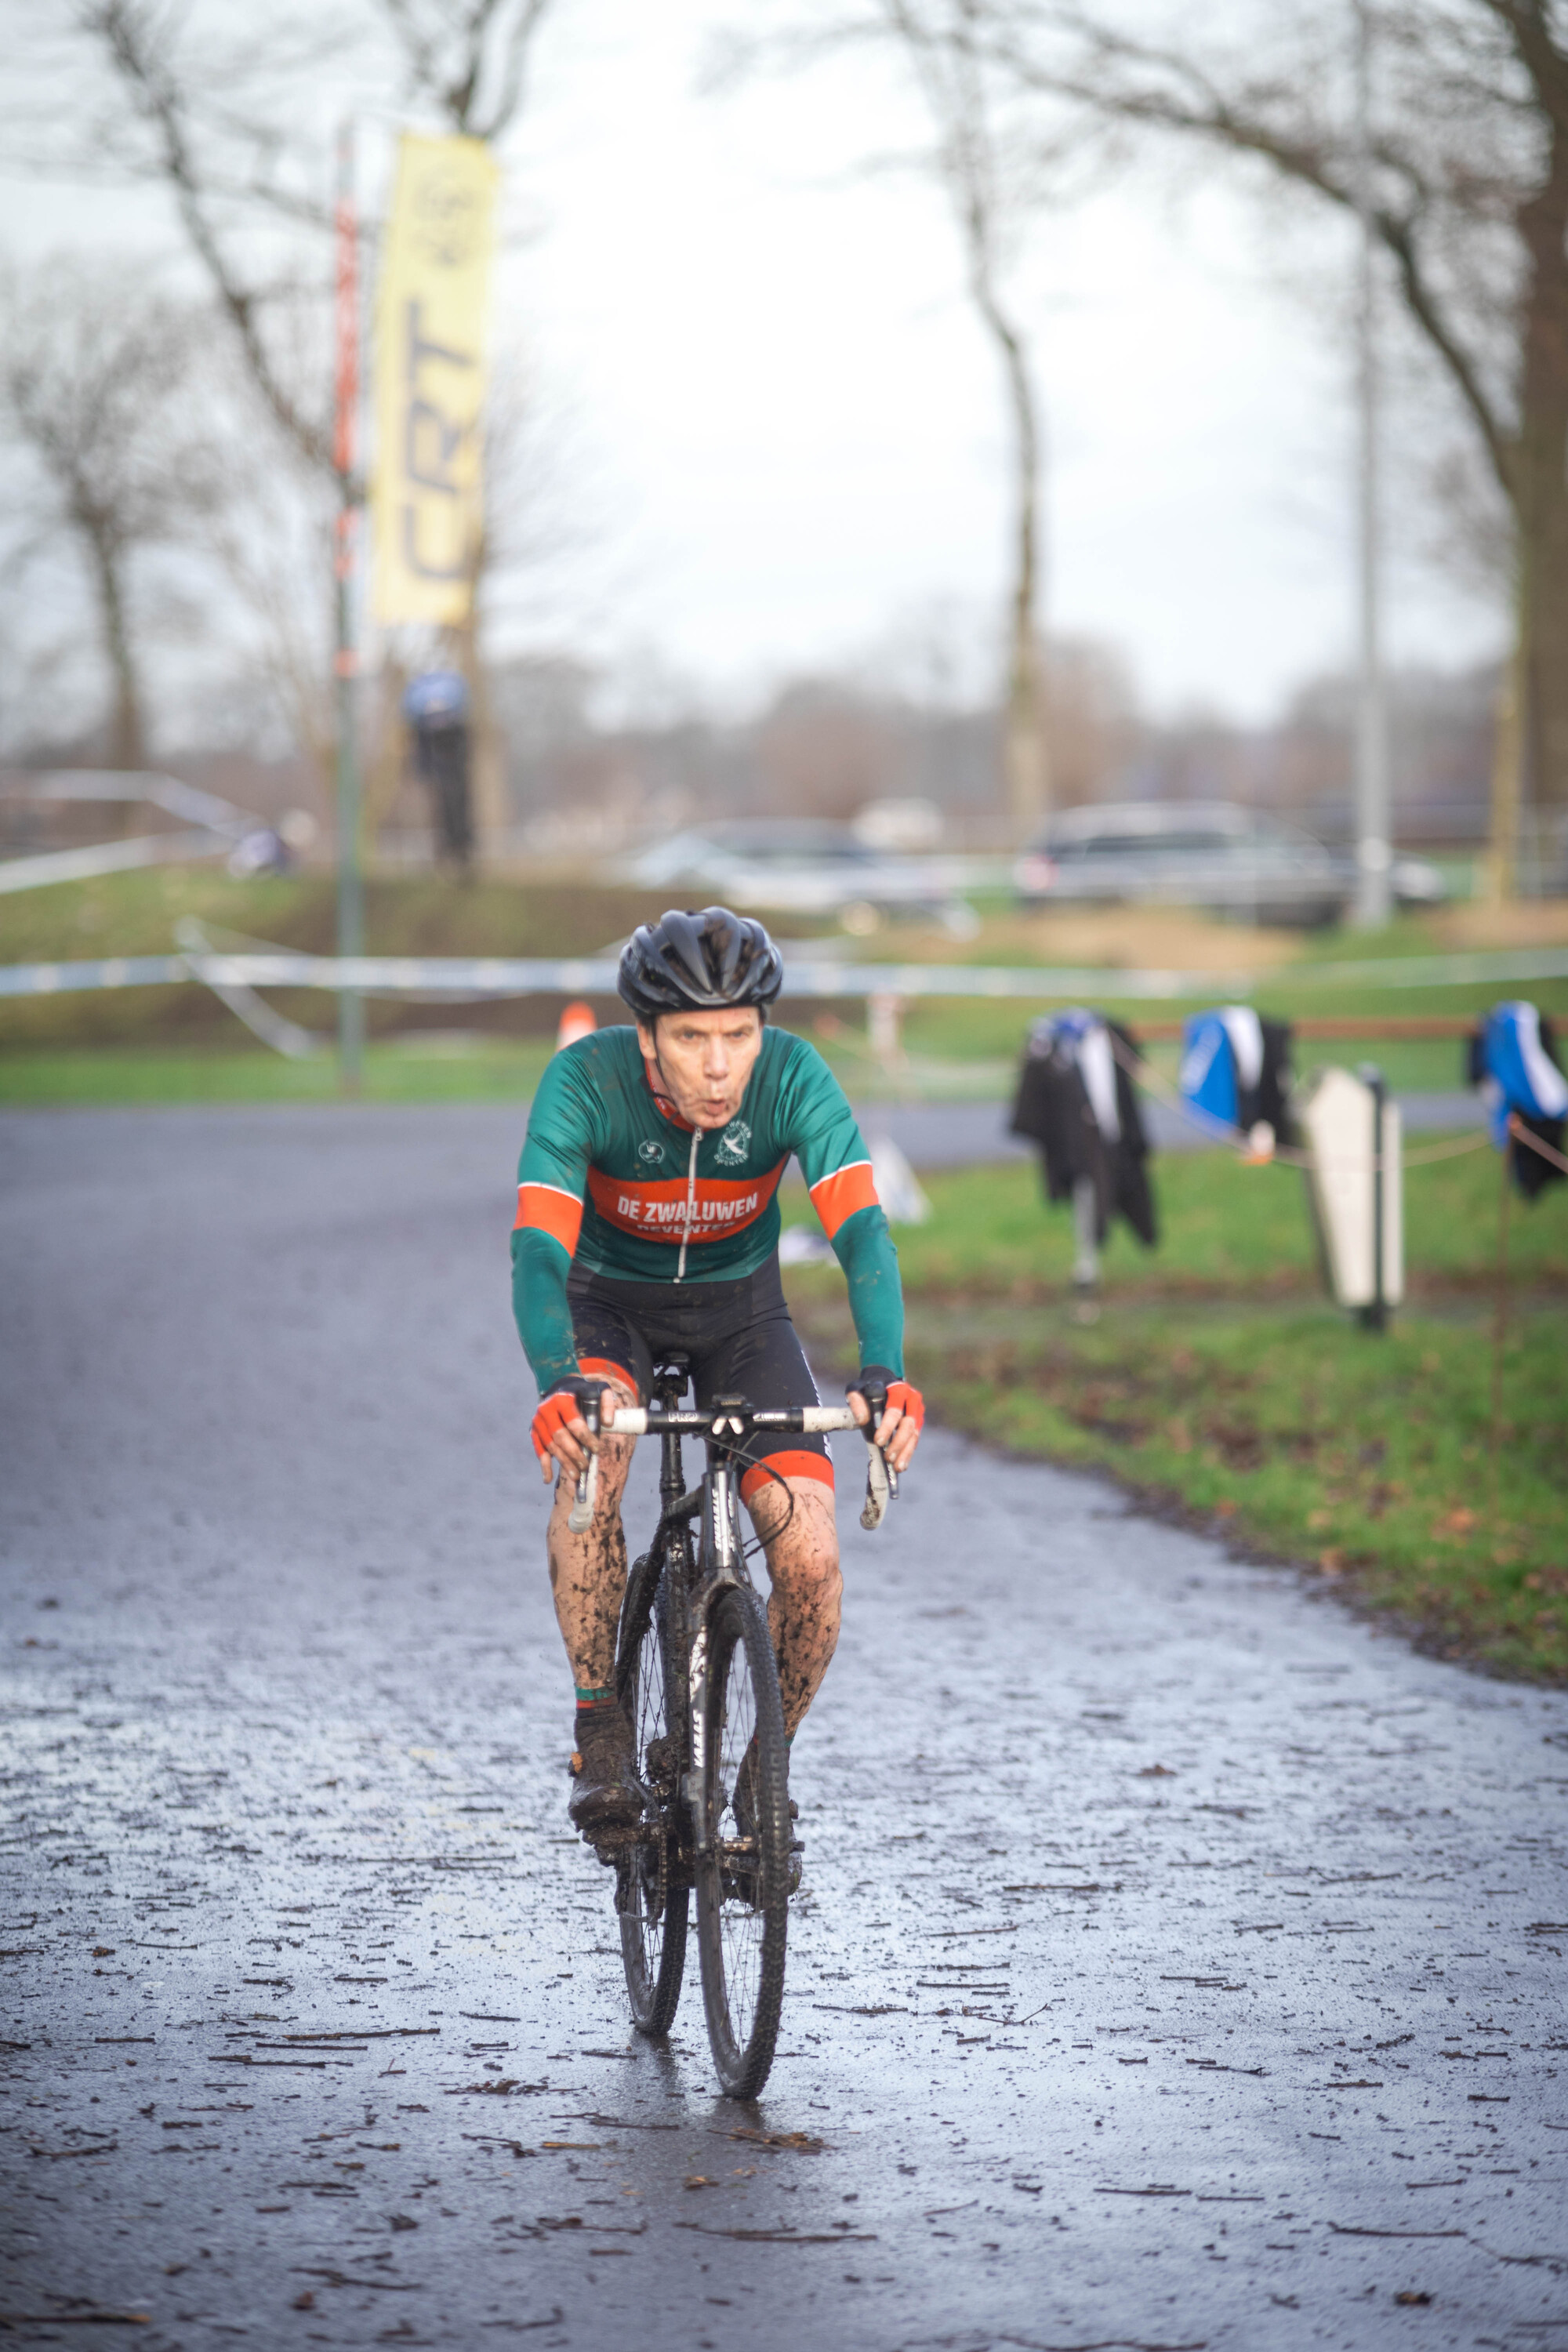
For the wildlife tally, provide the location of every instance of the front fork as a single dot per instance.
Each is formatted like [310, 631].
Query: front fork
[722, 1563]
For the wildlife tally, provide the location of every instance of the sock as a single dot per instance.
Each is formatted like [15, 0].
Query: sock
[592, 1707]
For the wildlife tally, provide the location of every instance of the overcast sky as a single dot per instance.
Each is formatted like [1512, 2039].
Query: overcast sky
[791, 429]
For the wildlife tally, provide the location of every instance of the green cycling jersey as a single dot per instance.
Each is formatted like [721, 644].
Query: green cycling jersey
[614, 1181]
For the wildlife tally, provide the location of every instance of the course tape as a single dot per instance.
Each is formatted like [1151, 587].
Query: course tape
[476, 977]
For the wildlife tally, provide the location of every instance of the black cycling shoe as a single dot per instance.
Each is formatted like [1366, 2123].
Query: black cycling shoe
[607, 1801]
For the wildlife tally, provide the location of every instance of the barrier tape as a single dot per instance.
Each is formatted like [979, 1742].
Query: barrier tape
[1284, 1155]
[481, 977]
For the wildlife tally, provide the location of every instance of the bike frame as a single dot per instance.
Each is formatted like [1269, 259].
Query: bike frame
[720, 1558]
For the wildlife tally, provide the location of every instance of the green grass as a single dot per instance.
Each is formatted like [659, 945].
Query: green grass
[1218, 1379]
[135, 913]
[485, 1070]
[955, 1046]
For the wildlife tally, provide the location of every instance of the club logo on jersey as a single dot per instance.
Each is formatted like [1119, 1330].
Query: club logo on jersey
[650, 1153]
[734, 1144]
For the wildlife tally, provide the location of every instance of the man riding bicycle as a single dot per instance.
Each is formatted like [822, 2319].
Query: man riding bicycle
[647, 1223]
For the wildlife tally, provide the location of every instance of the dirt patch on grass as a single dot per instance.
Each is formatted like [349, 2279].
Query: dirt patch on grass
[1165, 938]
[1527, 923]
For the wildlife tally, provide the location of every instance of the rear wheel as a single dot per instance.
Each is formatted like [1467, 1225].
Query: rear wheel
[742, 1877]
[651, 1894]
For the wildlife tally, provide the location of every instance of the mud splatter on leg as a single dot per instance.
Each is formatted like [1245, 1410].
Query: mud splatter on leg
[588, 1572]
[802, 1548]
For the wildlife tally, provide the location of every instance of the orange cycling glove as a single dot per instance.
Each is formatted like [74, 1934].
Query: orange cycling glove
[555, 1412]
[901, 1396]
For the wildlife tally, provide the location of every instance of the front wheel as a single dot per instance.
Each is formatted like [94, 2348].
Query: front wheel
[651, 1893]
[743, 1873]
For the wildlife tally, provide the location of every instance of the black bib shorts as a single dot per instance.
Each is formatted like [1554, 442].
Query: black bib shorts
[737, 1335]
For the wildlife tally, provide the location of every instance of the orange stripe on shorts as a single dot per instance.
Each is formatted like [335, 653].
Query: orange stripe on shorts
[786, 1466]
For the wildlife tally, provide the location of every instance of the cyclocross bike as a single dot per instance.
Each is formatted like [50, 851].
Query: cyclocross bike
[696, 1676]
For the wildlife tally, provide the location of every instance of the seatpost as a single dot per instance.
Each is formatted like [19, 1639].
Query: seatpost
[670, 1386]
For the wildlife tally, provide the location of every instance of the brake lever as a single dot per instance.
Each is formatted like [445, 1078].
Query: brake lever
[881, 1483]
[580, 1518]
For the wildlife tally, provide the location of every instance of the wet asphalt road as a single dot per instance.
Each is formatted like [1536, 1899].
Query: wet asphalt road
[1181, 1963]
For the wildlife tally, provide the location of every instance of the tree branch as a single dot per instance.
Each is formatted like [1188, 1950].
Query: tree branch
[1197, 107]
[130, 37]
[490, 53]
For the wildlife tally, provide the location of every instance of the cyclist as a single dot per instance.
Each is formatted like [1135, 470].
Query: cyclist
[648, 1222]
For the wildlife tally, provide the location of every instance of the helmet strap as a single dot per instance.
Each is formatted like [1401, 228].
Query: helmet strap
[667, 1097]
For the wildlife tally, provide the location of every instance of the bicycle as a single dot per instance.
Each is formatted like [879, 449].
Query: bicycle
[695, 1674]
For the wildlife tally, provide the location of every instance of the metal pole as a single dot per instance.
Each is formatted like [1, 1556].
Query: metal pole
[1375, 1316]
[351, 894]
[1373, 856]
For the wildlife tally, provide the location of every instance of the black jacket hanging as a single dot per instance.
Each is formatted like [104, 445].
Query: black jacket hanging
[1077, 1101]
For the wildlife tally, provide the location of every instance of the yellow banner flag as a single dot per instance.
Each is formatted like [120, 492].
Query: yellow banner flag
[430, 371]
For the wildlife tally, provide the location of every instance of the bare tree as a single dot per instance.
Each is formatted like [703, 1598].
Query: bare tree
[228, 123]
[938, 38]
[93, 375]
[994, 179]
[1469, 153]
[469, 57]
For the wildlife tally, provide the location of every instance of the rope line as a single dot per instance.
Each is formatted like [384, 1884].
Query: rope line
[1522, 1134]
[1284, 1154]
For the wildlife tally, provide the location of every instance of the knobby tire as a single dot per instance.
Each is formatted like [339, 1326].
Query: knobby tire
[651, 1894]
[742, 1877]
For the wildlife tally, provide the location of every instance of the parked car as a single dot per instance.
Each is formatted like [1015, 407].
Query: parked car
[1211, 855]
[800, 866]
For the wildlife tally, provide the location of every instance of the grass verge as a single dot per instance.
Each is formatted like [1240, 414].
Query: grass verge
[415, 1070]
[1216, 1384]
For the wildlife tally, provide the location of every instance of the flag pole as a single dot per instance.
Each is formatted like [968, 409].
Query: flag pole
[350, 890]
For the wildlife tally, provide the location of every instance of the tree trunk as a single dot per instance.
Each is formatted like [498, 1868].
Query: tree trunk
[127, 742]
[1025, 758]
[1501, 865]
[1539, 490]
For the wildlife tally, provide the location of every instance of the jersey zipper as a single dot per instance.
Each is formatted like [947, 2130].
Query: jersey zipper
[691, 1201]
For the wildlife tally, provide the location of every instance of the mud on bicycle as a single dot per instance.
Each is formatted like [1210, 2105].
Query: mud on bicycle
[695, 1678]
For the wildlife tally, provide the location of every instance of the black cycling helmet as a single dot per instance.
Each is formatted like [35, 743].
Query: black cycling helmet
[698, 964]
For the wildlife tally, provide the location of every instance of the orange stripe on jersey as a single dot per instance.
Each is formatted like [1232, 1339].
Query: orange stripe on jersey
[838, 1197]
[546, 1209]
[659, 1212]
[788, 1466]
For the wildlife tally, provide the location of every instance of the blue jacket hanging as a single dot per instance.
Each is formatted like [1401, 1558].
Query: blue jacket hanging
[1235, 1067]
[1513, 1058]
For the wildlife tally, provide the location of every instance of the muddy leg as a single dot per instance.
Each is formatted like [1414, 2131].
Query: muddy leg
[803, 1561]
[588, 1572]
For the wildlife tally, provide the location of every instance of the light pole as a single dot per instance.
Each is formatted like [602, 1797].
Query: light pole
[1373, 855]
[351, 893]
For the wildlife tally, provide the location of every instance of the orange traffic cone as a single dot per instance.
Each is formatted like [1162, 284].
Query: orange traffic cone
[577, 1021]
